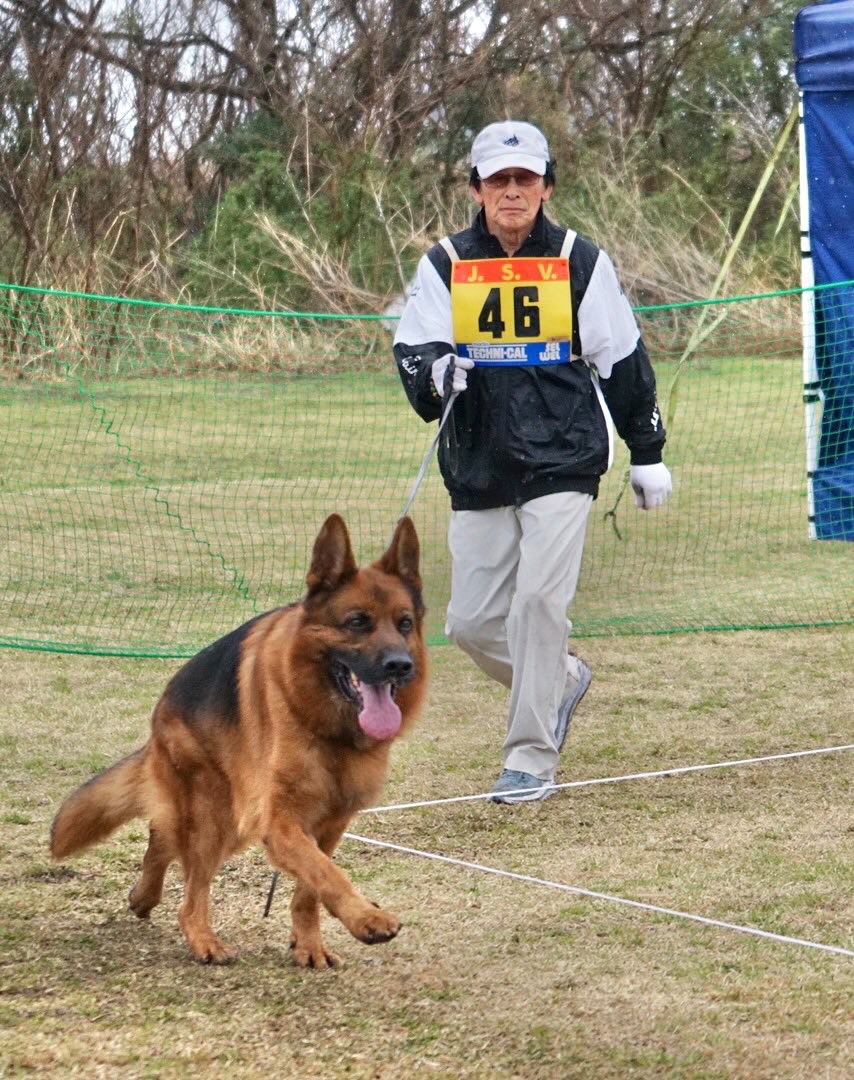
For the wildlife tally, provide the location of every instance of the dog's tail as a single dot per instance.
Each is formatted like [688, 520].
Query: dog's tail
[100, 806]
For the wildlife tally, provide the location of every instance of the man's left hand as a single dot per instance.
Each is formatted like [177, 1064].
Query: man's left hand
[651, 484]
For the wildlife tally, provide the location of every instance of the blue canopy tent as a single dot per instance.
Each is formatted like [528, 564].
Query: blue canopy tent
[824, 51]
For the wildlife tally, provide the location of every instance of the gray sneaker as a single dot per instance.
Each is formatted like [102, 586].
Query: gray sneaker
[577, 690]
[513, 786]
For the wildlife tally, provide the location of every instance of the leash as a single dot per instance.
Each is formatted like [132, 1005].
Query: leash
[273, 884]
[428, 457]
[413, 491]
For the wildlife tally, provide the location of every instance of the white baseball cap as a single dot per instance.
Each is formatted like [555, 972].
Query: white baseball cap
[510, 144]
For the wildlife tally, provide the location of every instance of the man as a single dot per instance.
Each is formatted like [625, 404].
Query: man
[525, 321]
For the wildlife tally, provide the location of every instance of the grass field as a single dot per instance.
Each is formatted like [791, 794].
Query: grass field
[490, 977]
[150, 515]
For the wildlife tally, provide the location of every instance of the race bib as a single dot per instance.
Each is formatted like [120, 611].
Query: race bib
[512, 311]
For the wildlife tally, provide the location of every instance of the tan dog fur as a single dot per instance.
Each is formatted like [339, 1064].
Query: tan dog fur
[257, 740]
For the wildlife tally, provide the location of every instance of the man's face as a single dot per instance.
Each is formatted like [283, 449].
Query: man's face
[511, 199]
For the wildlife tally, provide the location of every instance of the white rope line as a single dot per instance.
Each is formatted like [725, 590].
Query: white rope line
[613, 779]
[671, 912]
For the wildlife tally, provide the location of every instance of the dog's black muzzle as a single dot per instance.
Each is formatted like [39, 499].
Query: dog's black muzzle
[394, 667]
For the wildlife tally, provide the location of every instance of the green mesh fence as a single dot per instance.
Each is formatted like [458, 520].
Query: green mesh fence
[165, 470]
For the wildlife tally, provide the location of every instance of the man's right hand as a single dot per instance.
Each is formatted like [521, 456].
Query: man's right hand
[450, 373]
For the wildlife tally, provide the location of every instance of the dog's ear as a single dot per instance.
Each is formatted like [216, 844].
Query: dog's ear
[332, 560]
[403, 554]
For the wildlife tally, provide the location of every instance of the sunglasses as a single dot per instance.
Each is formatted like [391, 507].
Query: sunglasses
[499, 181]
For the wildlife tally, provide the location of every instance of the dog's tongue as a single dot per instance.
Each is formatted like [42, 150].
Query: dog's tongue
[380, 717]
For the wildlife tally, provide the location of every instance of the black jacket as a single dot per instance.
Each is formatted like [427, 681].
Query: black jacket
[517, 432]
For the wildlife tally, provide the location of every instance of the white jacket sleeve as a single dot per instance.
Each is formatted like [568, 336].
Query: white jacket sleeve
[424, 334]
[606, 324]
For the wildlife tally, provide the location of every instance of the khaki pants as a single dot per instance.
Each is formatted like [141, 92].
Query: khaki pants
[513, 576]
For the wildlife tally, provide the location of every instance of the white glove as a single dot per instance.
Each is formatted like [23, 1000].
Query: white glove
[461, 364]
[651, 484]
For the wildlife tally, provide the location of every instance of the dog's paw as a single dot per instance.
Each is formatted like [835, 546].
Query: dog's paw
[367, 921]
[141, 902]
[376, 926]
[313, 954]
[213, 950]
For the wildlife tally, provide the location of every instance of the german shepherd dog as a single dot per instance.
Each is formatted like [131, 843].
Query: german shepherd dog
[277, 733]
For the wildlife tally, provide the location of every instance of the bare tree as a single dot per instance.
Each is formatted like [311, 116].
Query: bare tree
[109, 109]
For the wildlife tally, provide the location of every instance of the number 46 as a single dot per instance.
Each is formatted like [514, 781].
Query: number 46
[526, 313]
